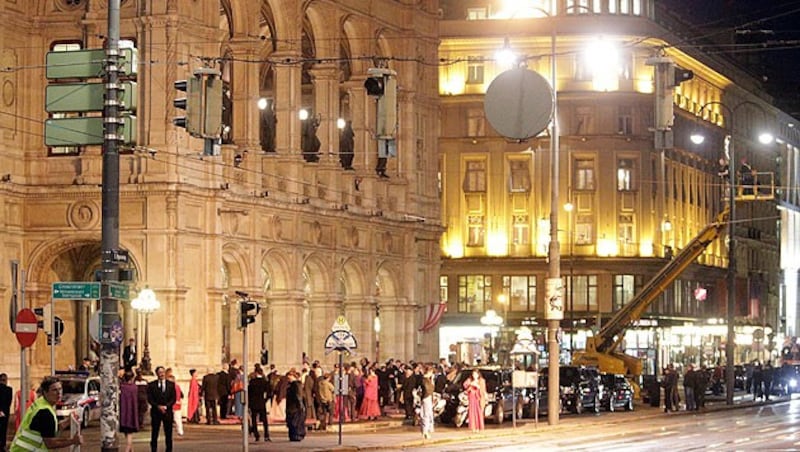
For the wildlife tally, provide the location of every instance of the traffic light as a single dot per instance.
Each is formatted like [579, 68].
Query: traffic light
[190, 103]
[680, 75]
[202, 103]
[248, 310]
[382, 83]
[46, 313]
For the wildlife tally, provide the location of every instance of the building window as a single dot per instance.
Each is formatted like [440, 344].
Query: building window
[475, 176]
[584, 229]
[625, 120]
[625, 234]
[474, 293]
[475, 230]
[476, 14]
[624, 175]
[584, 174]
[443, 293]
[521, 292]
[584, 292]
[474, 73]
[476, 122]
[521, 234]
[583, 6]
[519, 180]
[583, 117]
[625, 287]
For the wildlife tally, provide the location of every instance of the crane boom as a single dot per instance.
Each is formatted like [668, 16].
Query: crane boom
[601, 349]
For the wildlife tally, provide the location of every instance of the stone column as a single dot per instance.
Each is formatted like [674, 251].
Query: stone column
[287, 326]
[360, 313]
[326, 104]
[322, 313]
[245, 90]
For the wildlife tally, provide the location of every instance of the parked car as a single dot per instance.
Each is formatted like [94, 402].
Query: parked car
[500, 403]
[617, 392]
[81, 394]
[580, 388]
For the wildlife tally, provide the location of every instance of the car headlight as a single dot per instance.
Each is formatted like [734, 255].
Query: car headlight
[568, 390]
[792, 383]
[69, 406]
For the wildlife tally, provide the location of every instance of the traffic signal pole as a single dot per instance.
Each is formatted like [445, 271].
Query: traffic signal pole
[109, 314]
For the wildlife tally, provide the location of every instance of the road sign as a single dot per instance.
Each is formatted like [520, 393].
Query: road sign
[76, 290]
[87, 63]
[27, 327]
[118, 291]
[84, 97]
[87, 130]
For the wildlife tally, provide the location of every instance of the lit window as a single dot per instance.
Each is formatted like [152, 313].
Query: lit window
[521, 230]
[474, 73]
[519, 176]
[475, 177]
[584, 174]
[521, 292]
[474, 293]
[625, 175]
[475, 230]
[476, 13]
[584, 230]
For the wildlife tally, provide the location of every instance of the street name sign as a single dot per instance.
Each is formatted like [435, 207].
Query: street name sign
[76, 290]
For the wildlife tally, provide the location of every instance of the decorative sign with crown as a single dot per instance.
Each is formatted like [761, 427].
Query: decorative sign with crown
[341, 338]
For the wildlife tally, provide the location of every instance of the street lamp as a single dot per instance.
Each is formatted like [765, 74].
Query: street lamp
[764, 138]
[146, 303]
[569, 207]
[493, 321]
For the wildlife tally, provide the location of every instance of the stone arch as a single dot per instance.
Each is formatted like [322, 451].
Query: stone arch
[236, 265]
[314, 266]
[275, 271]
[354, 276]
[386, 281]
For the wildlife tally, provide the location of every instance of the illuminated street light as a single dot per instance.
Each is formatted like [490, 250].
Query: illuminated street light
[505, 56]
[146, 303]
[262, 103]
[303, 114]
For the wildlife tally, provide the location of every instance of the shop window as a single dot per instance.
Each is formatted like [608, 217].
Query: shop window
[474, 293]
[520, 292]
[583, 289]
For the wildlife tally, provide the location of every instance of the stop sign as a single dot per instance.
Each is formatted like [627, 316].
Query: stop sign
[27, 327]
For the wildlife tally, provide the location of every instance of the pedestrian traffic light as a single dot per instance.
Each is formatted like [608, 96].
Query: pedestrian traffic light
[212, 105]
[191, 104]
[248, 310]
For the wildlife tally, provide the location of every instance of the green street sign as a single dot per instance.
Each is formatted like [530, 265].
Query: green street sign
[76, 290]
[87, 63]
[118, 291]
[84, 131]
[84, 97]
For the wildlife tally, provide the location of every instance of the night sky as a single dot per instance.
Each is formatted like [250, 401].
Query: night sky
[767, 42]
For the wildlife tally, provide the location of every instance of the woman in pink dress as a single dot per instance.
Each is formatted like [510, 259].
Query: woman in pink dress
[476, 394]
[369, 407]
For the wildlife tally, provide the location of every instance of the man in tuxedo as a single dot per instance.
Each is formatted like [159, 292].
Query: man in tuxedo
[161, 397]
[5, 409]
[129, 355]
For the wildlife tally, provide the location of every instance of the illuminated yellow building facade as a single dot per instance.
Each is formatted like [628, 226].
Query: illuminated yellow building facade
[624, 211]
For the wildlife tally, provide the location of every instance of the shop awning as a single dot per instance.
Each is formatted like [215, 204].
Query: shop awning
[434, 315]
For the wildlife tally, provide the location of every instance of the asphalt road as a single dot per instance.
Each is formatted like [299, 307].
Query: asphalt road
[746, 426]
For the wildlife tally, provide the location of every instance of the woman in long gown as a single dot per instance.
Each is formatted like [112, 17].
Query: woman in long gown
[295, 409]
[369, 407]
[193, 413]
[476, 394]
[128, 409]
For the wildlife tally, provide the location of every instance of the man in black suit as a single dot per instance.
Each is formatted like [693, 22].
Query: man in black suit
[258, 391]
[161, 397]
[223, 391]
[129, 355]
[209, 394]
[5, 409]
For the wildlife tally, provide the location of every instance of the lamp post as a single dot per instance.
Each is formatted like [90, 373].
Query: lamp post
[493, 321]
[569, 207]
[146, 303]
[730, 315]
[504, 301]
[376, 325]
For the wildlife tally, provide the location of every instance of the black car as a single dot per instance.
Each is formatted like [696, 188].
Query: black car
[580, 389]
[616, 393]
[500, 403]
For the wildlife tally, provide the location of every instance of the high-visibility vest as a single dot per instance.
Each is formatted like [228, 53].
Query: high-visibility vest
[31, 440]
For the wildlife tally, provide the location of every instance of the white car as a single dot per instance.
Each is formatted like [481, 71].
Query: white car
[81, 395]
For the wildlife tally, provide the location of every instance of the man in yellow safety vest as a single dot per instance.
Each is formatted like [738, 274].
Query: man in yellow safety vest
[38, 430]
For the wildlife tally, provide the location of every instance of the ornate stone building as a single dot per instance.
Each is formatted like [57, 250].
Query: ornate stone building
[308, 239]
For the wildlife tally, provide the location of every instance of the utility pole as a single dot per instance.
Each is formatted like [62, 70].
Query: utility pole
[109, 313]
